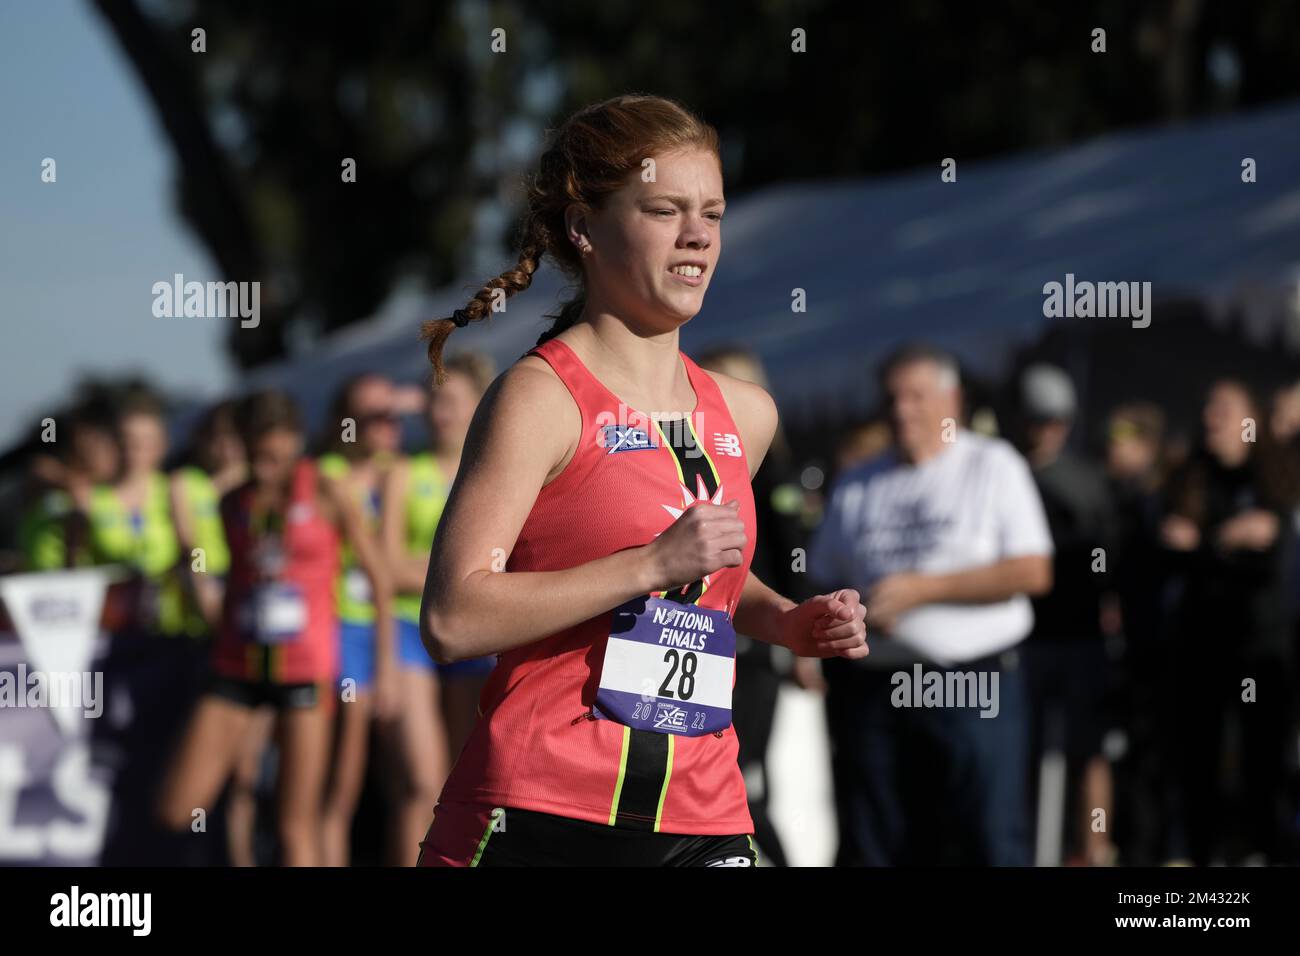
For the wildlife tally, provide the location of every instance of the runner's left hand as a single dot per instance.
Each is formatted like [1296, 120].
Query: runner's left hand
[828, 625]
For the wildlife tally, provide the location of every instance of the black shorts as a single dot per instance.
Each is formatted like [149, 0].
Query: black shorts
[512, 837]
[256, 693]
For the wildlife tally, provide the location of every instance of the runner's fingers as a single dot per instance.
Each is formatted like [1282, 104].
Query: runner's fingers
[849, 597]
[849, 629]
[730, 542]
[856, 653]
[847, 614]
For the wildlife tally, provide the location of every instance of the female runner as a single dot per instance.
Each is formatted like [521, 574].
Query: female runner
[278, 643]
[438, 704]
[627, 533]
[367, 639]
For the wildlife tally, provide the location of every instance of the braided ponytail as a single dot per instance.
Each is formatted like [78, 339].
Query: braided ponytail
[435, 331]
[588, 160]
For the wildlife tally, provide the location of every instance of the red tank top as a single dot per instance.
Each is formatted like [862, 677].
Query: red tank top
[296, 563]
[537, 744]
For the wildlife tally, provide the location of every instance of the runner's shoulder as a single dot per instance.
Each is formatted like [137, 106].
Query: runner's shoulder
[752, 408]
[529, 404]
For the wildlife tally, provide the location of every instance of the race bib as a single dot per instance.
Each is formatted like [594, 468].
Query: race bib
[356, 586]
[668, 668]
[277, 613]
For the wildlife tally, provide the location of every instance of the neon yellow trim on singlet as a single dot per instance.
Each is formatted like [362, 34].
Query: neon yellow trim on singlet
[622, 772]
[668, 775]
[487, 835]
[717, 479]
[681, 478]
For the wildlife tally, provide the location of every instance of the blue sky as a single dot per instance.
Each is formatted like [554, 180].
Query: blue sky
[78, 256]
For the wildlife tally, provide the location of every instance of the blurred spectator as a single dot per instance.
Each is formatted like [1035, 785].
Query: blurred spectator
[363, 436]
[450, 410]
[131, 523]
[760, 667]
[945, 536]
[53, 532]
[1136, 469]
[1285, 417]
[861, 442]
[278, 643]
[439, 704]
[1224, 531]
[216, 464]
[1065, 657]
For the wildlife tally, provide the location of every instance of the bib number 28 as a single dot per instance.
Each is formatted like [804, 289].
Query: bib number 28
[685, 679]
[668, 668]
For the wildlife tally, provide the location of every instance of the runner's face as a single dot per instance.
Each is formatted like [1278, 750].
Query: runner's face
[451, 407]
[144, 442]
[273, 457]
[648, 228]
[377, 425]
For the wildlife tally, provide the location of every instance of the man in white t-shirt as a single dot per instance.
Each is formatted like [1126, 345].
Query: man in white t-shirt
[946, 535]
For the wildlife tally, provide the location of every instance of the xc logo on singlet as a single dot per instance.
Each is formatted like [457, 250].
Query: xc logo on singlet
[726, 444]
[624, 438]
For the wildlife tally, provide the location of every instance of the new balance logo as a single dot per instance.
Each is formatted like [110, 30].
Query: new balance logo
[726, 444]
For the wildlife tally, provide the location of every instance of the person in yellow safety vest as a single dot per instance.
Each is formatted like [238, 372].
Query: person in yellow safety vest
[85, 451]
[365, 436]
[433, 730]
[131, 523]
[215, 464]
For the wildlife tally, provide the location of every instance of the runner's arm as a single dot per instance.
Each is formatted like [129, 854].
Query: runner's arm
[525, 430]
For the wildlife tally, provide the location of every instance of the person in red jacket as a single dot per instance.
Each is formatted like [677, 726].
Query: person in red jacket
[278, 641]
[624, 533]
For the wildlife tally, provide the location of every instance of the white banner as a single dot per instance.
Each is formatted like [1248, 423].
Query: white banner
[57, 617]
